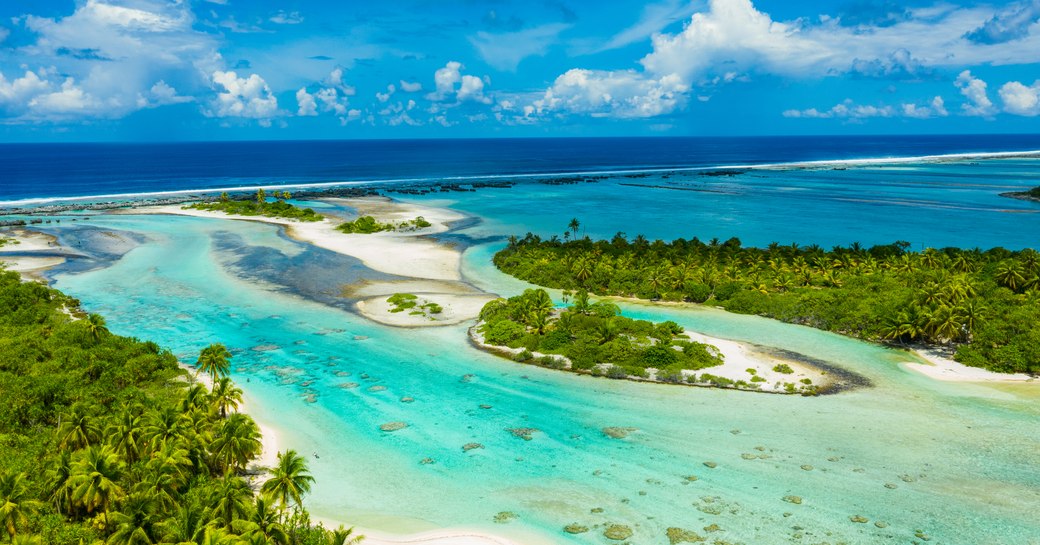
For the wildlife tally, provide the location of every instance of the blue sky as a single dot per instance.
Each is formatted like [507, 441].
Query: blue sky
[238, 69]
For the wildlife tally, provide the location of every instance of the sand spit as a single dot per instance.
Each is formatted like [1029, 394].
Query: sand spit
[29, 253]
[940, 365]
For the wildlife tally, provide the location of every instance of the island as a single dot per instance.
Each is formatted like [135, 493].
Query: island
[1028, 195]
[594, 338]
[980, 306]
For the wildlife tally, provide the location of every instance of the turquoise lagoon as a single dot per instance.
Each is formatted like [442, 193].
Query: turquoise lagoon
[954, 462]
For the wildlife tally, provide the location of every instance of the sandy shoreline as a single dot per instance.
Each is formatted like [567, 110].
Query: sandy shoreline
[27, 243]
[940, 365]
[430, 268]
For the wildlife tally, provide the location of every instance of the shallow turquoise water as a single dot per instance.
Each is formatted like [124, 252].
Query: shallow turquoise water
[960, 456]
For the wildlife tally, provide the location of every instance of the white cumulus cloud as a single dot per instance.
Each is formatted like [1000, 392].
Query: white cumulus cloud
[1020, 99]
[974, 89]
[247, 97]
[451, 85]
[624, 94]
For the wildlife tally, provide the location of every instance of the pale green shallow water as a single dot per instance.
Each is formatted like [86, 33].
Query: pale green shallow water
[968, 451]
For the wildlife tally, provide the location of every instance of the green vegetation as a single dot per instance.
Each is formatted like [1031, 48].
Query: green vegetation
[104, 441]
[984, 303]
[405, 301]
[5, 241]
[260, 206]
[367, 225]
[592, 337]
[1035, 192]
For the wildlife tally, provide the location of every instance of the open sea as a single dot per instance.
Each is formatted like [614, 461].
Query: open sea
[950, 462]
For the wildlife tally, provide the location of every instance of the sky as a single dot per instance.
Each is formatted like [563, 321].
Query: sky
[170, 70]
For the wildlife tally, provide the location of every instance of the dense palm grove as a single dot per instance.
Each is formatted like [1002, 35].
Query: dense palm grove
[593, 337]
[985, 303]
[104, 441]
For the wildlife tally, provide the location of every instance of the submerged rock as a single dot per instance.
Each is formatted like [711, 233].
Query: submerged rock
[376, 388]
[483, 406]
[427, 461]
[881, 524]
[679, 535]
[505, 516]
[342, 373]
[575, 528]
[711, 465]
[470, 446]
[523, 433]
[407, 399]
[797, 500]
[617, 532]
[618, 432]
[859, 519]
[467, 377]
[807, 467]
[393, 426]
[348, 385]
[265, 347]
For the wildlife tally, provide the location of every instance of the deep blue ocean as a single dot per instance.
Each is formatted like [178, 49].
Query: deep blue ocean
[68, 170]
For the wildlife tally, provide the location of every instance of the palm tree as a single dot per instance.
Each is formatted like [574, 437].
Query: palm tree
[1010, 274]
[583, 269]
[78, 429]
[231, 499]
[236, 442]
[262, 523]
[124, 435]
[343, 536]
[197, 397]
[573, 226]
[134, 522]
[16, 503]
[224, 396]
[162, 427]
[188, 524]
[58, 479]
[95, 479]
[214, 360]
[95, 325]
[289, 480]
[27, 540]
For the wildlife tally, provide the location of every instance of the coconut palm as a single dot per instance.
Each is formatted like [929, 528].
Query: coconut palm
[343, 536]
[163, 426]
[78, 429]
[262, 523]
[289, 480]
[573, 225]
[1010, 274]
[16, 503]
[96, 327]
[214, 360]
[225, 395]
[230, 500]
[236, 442]
[135, 522]
[124, 435]
[95, 480]
[187, 525]
[197, 397]
[58, 482]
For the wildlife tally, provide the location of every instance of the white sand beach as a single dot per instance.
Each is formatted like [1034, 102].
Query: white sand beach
[939, 364]
[399, 253]
[433, 266]
[26, 242]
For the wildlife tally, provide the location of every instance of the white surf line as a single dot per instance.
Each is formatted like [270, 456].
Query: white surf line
[361, 183]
